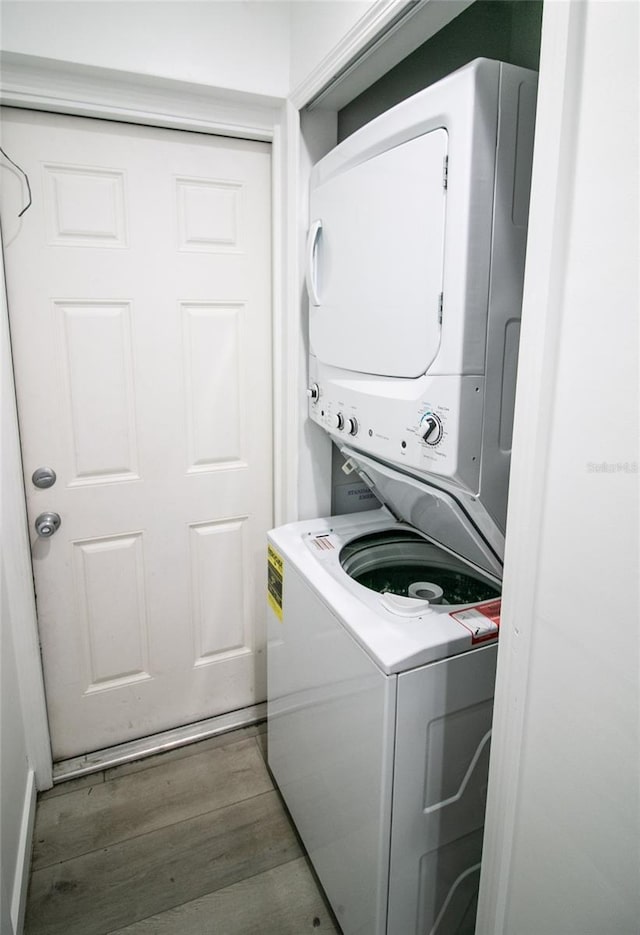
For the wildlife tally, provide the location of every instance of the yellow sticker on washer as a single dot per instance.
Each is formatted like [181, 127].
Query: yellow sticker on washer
[275, 573]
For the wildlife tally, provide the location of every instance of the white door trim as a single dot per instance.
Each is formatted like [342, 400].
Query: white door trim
[552, 187]
[35, 83]
[17, 572]
[376, 42]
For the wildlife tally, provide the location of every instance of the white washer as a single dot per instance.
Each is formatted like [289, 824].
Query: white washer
[380, 713]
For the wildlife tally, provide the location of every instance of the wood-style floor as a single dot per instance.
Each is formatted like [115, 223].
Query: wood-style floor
[191, 842]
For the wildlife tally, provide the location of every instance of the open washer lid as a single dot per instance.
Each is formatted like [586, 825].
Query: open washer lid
[456, 521]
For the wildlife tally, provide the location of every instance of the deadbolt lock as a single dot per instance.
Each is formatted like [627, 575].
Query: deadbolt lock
[43, 477]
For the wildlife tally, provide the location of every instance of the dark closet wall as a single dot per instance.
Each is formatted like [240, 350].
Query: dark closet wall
[507, 30]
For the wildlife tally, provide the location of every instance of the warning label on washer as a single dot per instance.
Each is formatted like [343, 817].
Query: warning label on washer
[275, 571]
[482, 622]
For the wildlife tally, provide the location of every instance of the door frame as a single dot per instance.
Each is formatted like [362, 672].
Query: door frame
[34, 83]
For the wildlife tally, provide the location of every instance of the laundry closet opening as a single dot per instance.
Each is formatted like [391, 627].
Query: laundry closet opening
[383, 628]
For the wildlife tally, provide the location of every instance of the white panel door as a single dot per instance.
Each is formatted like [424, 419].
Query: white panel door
[139, 294]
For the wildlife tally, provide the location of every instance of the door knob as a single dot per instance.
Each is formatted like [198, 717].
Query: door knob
[46, 524]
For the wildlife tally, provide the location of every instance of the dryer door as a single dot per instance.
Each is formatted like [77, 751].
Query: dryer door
[376, 256]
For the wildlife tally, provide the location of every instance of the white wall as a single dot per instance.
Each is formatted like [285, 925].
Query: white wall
[261, 46]
[562, 841]
[14, 766]
[243, 46]
[23, 733]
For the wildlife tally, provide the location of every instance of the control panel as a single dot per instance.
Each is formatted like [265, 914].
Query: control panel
[427, 434]
[346, 424]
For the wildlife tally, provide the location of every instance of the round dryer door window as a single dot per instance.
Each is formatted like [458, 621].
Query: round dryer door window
[402, 562]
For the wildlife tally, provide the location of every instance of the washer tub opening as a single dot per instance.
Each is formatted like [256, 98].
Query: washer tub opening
[403, 562]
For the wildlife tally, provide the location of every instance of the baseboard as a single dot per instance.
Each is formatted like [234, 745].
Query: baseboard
[23, 861]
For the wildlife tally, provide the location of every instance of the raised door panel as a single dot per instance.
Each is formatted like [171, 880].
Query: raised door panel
[96, 367]
[214, 340]
[115, 634]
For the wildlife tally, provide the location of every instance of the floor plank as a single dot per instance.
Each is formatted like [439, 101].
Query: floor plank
[101, 815]
[190, 749]
[72, 785]
[281, 901]
[263, 742]
[108, 889]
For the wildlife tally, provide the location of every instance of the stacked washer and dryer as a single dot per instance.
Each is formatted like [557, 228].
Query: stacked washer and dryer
[383, 624]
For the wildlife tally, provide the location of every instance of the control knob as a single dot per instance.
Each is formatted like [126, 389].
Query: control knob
[352, 426]
[313, 392]
[431, 429]
[337, 421]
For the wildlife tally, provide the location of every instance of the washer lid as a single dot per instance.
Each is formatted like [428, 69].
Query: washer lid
[456, 521]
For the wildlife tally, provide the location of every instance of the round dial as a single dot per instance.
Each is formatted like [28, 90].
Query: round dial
[431, 429]
[314, 392]
[337, 421]
[352, 426]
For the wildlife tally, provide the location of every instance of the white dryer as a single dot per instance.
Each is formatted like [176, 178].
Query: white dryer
[415, 263]
[383, 625]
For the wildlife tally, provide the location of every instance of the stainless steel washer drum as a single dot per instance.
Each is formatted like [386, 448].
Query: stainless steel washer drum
[402, 562]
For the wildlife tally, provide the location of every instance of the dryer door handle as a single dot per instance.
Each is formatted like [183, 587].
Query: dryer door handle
[310, 271]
